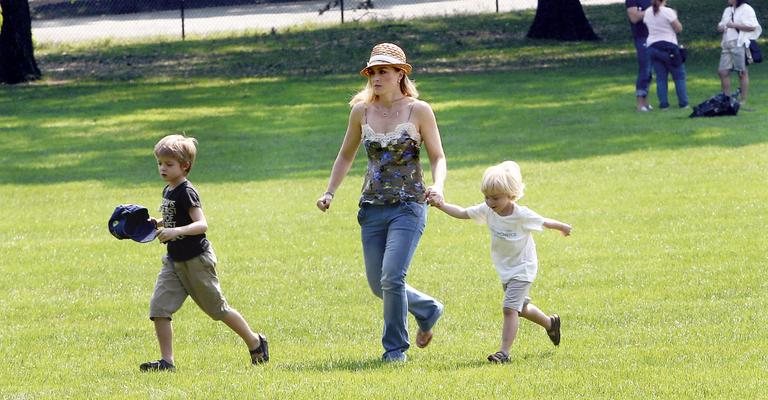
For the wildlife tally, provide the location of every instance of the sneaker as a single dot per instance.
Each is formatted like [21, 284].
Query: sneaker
[644, 109]
[554, 331]
[394, 357]
[159, 365]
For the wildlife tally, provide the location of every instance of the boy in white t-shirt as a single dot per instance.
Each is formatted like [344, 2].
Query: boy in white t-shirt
[512, 249]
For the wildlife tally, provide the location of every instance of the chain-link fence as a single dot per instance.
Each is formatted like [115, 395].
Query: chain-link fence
[82, 20]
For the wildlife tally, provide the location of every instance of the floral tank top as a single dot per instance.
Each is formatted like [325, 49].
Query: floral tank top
[394, 171]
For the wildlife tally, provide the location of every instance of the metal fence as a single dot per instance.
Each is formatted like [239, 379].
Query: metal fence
[83, 20]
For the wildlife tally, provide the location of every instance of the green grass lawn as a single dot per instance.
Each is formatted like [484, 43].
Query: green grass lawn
[661, 286]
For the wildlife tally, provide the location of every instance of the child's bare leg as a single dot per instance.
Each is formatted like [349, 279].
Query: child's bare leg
[534, 314]
[509, 329]
[237, 323]
[164, 332]
[551, 323]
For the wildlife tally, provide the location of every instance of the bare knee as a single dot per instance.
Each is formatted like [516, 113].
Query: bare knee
[508, 312]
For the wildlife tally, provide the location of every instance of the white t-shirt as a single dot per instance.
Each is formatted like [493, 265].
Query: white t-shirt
[660, 25]
[512, 248]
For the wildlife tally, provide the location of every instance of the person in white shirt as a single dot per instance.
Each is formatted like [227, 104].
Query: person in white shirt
[663, 27]
[512, 249]
[739, 26]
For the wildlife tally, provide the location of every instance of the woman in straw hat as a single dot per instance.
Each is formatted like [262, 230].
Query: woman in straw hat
[392, 124]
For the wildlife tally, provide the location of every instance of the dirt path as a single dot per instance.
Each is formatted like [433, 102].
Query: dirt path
[257, 17]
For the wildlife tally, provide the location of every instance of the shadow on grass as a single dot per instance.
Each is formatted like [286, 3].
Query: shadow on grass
[274, 106]
[435, 44]
[351, 365]
[257, 129]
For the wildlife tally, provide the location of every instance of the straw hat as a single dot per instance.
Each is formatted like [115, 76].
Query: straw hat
[387, 54]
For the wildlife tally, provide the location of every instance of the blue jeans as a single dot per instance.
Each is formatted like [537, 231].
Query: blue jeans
[663, 67]
[643, 68]
[390, 234]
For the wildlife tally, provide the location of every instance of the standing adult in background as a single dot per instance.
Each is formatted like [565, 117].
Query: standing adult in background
[392, 124]
[739, 25]
[663, 27]
[635, 12]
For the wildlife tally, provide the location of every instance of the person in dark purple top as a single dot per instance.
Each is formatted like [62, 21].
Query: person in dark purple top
[635, 12]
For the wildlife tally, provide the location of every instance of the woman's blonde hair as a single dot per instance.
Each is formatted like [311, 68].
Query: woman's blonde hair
[367, 95]
[504, 178]
[179, 147]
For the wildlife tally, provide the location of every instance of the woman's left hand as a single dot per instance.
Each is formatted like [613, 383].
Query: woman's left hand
[435, 196]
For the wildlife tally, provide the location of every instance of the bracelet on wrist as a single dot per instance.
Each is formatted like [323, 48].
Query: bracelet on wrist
[328, 194]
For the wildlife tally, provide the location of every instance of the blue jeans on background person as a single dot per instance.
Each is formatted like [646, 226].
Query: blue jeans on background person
[390, 234]
[643, 81]
[663, 67]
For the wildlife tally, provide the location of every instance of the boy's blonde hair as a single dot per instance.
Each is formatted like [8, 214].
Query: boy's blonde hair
[179, 147]
[407, 87]
[504, 178]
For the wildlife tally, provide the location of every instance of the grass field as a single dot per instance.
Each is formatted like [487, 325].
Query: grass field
[661, 287]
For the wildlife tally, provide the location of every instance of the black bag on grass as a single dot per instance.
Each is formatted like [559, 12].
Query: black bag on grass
[716, 106]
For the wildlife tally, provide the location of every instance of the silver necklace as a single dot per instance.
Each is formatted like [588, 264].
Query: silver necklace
[388, 112]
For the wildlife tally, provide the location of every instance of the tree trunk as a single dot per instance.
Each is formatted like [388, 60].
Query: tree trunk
[561, 20]
[17, 58]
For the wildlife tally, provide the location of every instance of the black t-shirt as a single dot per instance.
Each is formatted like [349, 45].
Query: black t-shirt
[639, 30]
[175, 209]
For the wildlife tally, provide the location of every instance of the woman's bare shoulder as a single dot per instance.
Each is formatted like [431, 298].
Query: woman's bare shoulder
[421, 106]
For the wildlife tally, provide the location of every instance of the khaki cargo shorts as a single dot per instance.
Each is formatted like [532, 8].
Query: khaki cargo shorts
[195, 278]
[732, 57]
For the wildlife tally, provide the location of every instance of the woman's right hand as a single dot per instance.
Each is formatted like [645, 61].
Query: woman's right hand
[324, 202]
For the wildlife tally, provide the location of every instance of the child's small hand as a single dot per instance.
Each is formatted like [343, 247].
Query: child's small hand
[435, 197]
[167, 234]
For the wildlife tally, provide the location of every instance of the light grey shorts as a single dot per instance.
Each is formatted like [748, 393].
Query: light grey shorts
[195, 278]
[516, 294]
[732, 57]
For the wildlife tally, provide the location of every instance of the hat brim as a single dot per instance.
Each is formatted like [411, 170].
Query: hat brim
[366, 72]
[144, 233]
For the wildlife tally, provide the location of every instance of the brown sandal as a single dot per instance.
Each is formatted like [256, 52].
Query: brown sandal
[260, 354]
[554, 330]
[423, 338]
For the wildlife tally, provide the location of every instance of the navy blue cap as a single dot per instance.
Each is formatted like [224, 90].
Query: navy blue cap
[131, 221]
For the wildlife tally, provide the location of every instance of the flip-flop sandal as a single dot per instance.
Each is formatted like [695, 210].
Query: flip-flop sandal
[260, 354]
[498, 357]
[423, 338]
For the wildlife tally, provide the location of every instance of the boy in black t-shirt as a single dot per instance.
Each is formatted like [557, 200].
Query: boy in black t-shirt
[189, 267]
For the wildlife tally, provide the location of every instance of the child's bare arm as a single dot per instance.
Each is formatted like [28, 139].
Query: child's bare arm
[453, 210]
[198, 226]
[564, 228]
